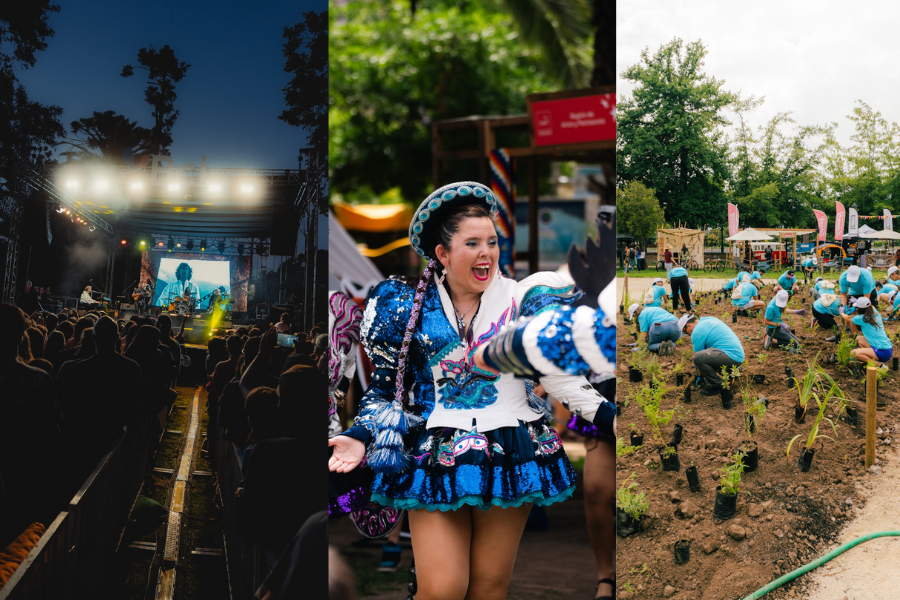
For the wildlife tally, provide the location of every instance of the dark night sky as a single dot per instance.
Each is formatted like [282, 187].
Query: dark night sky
[230, 98]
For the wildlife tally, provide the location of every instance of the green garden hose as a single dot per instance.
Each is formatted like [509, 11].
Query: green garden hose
[817, 563]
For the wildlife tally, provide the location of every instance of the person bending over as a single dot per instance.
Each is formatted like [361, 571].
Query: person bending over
[776, 329]
[826, 308]
[655, 294]
[744, 297]
[681, 286]
[856, 283]
[659, 326]
[787, 282]
[715, 346]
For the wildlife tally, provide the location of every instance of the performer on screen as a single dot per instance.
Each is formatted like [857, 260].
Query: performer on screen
[182, 288]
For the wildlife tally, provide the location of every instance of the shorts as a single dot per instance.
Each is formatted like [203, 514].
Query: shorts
[883, 355]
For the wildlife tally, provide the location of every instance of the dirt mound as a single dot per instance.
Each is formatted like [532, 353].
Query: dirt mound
[785, 517]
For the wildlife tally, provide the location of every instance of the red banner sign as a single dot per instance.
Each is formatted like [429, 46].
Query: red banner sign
[839, 223]
[822, 220]
[574, 120]
[733, 215]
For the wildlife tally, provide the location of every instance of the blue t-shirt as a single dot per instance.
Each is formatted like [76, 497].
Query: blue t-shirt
[748, 291]
[834, 309]
[862, 287]
[650, 315]
[678, 272]
[755, 275]
[806, 263]
[710, 332]
[729, 284]
[658, 292]
[888, 288]
[818, 286]
[874, 335]
[786, 282]
[896, 301]
[773, 313]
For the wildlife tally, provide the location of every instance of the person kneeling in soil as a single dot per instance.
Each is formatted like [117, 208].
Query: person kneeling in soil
[816, 290]
[659, 326]
[857, 283]
[743, 296]
[776, 329]
[826, 308]
[715, 346]
[787, 282]
[886, 292]
[809, 265]
[681, 286]
[874, 343]
[655, 294]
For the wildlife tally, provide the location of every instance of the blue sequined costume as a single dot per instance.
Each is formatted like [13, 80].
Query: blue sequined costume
[484, 443]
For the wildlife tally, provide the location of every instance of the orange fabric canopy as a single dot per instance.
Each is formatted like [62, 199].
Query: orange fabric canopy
[375, 218]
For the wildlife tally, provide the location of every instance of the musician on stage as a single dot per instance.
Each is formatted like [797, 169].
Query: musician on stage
[86, 297]
[183, 288]
[142, 296]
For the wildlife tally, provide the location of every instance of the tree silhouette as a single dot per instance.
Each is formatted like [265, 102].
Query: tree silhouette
[110, 134]
[163, 72]
[306, 95]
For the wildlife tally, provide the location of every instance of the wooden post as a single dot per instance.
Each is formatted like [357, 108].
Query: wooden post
[871, 399]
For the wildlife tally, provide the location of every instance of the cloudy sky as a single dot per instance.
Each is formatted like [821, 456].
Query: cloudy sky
[813, 58]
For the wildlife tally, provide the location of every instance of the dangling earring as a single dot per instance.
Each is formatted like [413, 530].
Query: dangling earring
[440, 280]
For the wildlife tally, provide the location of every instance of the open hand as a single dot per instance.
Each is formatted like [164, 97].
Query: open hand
[348, 453]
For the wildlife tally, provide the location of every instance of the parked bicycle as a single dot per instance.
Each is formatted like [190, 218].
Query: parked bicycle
[715, 264]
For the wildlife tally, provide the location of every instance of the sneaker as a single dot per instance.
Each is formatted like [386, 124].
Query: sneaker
[767, 342]
[390, 557]
[833, 339]
[711, 390]
[667, 348]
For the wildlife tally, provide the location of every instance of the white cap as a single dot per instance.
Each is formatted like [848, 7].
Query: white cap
[815, 260]
[863, 302]
[631, 310]
[869, 269]
[781, 299]
[684, 321]
[853, 274]
[658, 280]
[818, 279]
[893, 269]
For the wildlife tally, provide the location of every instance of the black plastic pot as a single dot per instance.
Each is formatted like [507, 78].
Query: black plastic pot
[621, 309]
[805, 461]
[725, 506]
[693, 479]
[759, 379]
[727, 397]
[676, 434]
[750, 450]
[791, 382]
[750, 422]
[679, 379]
[637, 439]
[671, 462]
[618, 410]
[687, 395]
[799, 414]
[634, 335]
[852, 416]
[635, 375]
[734, 318]
[682, 551]
[625, 524]
[788, 372]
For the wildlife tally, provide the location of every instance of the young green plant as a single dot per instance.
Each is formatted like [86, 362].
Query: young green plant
[820, 417]
[730, 482]
[629, 500]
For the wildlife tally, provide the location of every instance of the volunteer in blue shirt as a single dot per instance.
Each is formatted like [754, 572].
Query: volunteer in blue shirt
[893, 275]
[659, 326]
[659, 294]
[816, 289]
[787, 282]
[809, 265]
[886, 291]
[856, 283]
[776, 329]
[680, 287]
[874, 343]
[826, 307]
[748, 294]
[715, 346]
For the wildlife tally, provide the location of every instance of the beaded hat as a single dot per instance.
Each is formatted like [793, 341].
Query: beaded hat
[429, 212]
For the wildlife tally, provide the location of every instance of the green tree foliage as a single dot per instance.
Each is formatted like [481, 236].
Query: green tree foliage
[163, 72]
[28, 130]
[109, 134]
[394, 75]
[306, 95]
[638, 211]
[669, 133]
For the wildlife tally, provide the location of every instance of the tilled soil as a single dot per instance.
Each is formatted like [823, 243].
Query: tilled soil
[785, 518]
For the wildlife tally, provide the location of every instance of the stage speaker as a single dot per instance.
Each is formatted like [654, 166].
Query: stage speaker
[284, 231]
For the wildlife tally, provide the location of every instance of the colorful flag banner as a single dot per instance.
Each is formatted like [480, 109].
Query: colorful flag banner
[839, 222]
[733, 215]
[888, 220]
[822, 220]
[853, 223]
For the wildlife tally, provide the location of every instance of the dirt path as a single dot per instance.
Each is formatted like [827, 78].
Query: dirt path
[868, 571]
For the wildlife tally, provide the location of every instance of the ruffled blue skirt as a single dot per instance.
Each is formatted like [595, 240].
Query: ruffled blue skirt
[506, 467]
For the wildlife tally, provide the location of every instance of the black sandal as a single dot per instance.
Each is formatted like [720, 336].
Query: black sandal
[611, 582]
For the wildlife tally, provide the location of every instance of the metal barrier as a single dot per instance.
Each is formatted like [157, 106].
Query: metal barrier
[76, 555]
[247, 565]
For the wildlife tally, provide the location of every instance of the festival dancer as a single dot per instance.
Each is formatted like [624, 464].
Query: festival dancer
[461, 448]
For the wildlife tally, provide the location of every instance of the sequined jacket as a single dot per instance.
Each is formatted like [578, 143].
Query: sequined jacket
[443, 385]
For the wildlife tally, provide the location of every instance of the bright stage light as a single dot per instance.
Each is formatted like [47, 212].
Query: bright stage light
[124, 242]
[246, 188]
[102, 184]
[178, 244]
[160, 244]
[72, 184]
[215, 187]
[137, 185]
[143, 243]
[174, 187]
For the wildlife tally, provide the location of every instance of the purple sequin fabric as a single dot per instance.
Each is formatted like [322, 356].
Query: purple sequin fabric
[583, 427]
[352, 501]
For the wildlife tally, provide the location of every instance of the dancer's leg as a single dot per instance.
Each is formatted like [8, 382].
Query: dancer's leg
[441, 546]
[599, 503]
[496, 534]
